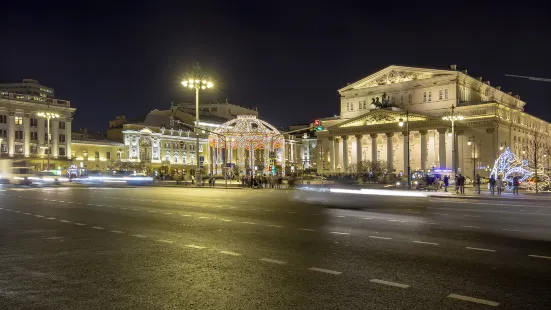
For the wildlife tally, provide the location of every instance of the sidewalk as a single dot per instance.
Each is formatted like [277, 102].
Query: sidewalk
[486, 195]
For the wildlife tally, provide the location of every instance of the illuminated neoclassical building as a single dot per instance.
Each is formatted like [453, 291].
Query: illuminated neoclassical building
[372, 107]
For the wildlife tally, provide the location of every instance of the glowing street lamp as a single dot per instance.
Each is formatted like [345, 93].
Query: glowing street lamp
[453, 117]
[198, 82]
[48, 116]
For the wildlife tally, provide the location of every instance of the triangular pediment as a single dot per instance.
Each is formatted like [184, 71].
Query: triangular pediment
[378, 117]
[395, 74]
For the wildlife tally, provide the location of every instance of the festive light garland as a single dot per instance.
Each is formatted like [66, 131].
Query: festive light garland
[508, 165]
[247, 132]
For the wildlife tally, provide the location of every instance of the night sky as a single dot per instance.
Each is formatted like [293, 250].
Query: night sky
[286, 60]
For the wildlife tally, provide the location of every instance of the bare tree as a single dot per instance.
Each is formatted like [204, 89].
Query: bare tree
[536, 149]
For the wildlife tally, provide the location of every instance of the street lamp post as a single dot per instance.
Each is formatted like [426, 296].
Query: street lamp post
[453, 117]
[401, 123]
[473, 143]
[199, 83]
[48, 116]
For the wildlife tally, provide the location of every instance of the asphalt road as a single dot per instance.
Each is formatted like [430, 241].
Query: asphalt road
[185, 248]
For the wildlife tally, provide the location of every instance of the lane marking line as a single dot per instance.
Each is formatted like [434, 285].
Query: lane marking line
[168, 213]
[339, 233]
[307, 229]
[400, 285]
[117, 231]
[139, 236]
[377, 237]
[203, 217]
[340, 216]
[97, 227]
[224, 220]
[468, 226]
[165, 241]
[480, 249]
[64, 221]
[26, 213]
[152, 211]
[274, 261]
[230, 253]
[276, 226]
[251, 223]
[367, 218]
[187, 215]
[423, 242]
[80, 224]
[476, 300]
[195, 246]
[517, 230]
[539, 256]
[39, 215]
[325, 270]
[393, 220]
[51, 218]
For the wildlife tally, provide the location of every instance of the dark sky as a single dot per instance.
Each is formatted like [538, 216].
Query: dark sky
[287, 59]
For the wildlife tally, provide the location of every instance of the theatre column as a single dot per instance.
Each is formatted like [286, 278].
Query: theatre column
[359, 151]
[424, 149]
[389, 153]
[442, 147]
[344, 154]
[331, 154]
[373, 148]
[405, 134]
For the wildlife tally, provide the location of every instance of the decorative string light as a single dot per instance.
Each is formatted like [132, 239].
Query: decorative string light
[508, 165]
[246, 131]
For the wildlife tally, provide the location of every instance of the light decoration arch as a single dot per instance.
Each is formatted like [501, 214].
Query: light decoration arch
[247, 132]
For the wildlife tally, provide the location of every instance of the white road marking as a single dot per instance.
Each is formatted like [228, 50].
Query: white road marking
[539, 256]
[98, 228]
[152, 211]
[195, 246]
[80, 224]
[139, 236]
[124, 208]
[377, 237]
[230, 253]
[340, 216]
[51, 218]
[441, 213]
[339, 233]
[203, 217]
[187, 215]
[467, 226]
[134, 209]
[393, 220]
[165, 241]
[65, 221]
[251, 223]
[275, 261]
[325, 270]
[423, 242]
[16, 211]
[517, 230]
[26, 213]
[400, 285]
[168, 213]
[367, 218]
[39, 215]
[276, 226]
[224, 220]
[117, 231]
[476, 300]
[307, 229]
[480, 249]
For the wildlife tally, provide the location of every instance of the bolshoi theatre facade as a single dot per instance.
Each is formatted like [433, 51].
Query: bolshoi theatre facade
[489, 121]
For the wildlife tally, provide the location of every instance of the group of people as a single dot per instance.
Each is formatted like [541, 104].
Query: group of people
[262, 181]
[493, 184]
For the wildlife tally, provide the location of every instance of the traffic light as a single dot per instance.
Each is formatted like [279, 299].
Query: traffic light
[318, 126]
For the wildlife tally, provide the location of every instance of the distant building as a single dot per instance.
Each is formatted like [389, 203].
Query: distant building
[84, 134]
[28, 87]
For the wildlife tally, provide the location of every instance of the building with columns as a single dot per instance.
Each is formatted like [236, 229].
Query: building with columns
[23, 134]
[372, 108]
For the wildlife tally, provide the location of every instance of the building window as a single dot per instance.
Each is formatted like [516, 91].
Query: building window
[410, 98]
[18, 135]
[424, 96]
[61, 151]
[18, 120]
[348, 106]
[184, 155]
[118, 155]
[19, 149]
[97, 155]
[108, 155]
[62, 138]
[61, 125]
[440, 95]
[3, 119]
[34, 122]
[365, 104]
[4, 133]
[34, 149]
[34, 135]
[430, 96]
[175, 159]
[4, 148]
[446, 93]
[46, 137]
[351, 106]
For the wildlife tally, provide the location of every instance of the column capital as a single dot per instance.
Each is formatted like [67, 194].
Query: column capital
[359, 137]
[423, 132]
[373, 135]
[344, 137]
[389, 134]
[442, 130]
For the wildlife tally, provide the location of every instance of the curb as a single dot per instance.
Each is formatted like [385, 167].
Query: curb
[489, 198]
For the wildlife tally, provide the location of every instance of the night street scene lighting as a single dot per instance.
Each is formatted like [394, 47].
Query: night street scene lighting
[301, 166]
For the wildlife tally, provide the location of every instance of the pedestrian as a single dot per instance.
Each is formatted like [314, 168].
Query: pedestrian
[446, 183]
[461, 183]
[516, 184]
[213, 180]
[456, 184]
[499, 184]
[492, 184]
[477, 183]
[192, 179]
